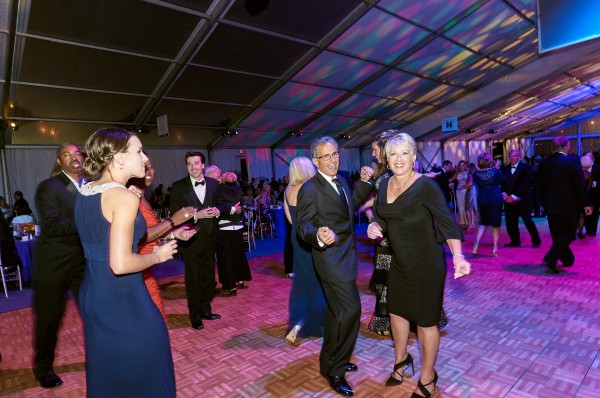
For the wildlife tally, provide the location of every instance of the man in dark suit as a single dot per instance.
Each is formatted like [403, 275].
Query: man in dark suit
[326, 222]
[563, 196]
[58, 263]
[199, 252]
[518, 200]
[443, 179]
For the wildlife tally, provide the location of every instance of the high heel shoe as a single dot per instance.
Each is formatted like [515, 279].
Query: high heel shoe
[475, 247]
[495, 252]
[392, 381]
[423, 390]
[293, 334]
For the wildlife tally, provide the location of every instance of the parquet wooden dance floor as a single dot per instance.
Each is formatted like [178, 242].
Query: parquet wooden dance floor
[514, 331]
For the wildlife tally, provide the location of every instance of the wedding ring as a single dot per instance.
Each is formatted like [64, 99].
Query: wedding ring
[186, 215]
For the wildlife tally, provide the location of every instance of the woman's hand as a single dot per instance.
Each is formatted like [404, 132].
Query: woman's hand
[183, 214]
[461, 266]
[166, 251]
[374, 231]
[138, 192]
[184, 233]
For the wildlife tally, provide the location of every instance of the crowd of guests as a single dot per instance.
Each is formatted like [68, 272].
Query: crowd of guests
[101, 235]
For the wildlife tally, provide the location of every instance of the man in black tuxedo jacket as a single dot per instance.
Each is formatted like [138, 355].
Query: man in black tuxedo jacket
[443, 179]
[518, 200]
[563, 196]
[326, 222]
[199, 252]
[58, 263]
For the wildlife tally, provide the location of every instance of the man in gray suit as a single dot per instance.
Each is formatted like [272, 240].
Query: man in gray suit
[326, 221]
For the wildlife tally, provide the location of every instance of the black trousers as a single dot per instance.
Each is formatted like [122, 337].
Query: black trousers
[341, 326]
[591, 222]
[562, 231]
[512, 214]
[199, 268]
[49, 300]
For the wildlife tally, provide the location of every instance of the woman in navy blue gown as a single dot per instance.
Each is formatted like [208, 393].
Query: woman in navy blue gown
[307, 304]
[489, 180]
[126, 340]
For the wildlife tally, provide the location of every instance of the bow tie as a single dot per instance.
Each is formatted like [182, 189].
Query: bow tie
[513, 167]
[196, 183]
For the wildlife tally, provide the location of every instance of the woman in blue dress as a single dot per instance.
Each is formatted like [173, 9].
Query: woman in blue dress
[307, 306]
[489, 180]
[126, 340]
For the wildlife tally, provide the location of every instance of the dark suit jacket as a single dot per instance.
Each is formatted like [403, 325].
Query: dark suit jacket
[595, 191]
[58, 253]
[320, 205]
[183, 194]
[442, 180]
[561, 185]
[519, 183]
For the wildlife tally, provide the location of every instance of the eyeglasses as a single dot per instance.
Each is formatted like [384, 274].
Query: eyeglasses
[328, 156]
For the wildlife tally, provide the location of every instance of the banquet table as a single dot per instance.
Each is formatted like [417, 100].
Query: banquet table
[25, 251]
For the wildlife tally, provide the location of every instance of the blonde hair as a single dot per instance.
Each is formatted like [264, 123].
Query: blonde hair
[401, 140]
[301, 170]
[229, 176]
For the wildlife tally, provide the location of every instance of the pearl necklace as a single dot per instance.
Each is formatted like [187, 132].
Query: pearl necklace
[403, 182]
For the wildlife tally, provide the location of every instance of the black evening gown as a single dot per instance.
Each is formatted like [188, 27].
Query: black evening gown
[417, 223]
[127, 347]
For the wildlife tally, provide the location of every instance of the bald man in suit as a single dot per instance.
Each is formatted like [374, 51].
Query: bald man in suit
[58, 263]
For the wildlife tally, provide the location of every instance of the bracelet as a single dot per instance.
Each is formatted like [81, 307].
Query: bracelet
[458, 255]
[170, 220]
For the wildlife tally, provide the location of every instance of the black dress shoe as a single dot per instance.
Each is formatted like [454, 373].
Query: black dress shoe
[50, 380]
[197, 324]
[512, 244]
[552, 269]
[350, 367]
[568, 265]
[339, 385]
[227, 292]
[535, 244]
[210, 316]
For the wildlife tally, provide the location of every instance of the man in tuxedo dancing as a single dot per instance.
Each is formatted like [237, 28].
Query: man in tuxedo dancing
[58, 263]
[326, 221]
[518, 200]
[563, 196]
[199, 252]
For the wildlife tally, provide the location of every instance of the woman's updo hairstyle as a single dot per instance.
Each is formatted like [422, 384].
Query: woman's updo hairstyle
[102, 146]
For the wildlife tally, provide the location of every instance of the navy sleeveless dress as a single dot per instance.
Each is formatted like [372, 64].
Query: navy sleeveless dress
[127, 347]
[307, 306]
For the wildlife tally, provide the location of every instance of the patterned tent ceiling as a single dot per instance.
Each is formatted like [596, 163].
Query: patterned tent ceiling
[297, 70]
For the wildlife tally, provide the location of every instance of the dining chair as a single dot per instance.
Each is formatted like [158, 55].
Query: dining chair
[10, 273]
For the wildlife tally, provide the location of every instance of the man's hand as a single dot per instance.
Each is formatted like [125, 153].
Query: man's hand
[588, 210]
[238, 208]
[326, 236]
[208, 212]
[374, 231]
[366, 173]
